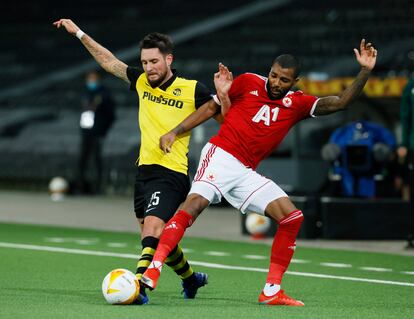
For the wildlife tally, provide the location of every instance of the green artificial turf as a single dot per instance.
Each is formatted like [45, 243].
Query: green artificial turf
[51, 284]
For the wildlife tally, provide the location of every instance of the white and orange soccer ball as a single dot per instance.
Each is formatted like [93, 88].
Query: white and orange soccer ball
[257, 225]
[120, 287]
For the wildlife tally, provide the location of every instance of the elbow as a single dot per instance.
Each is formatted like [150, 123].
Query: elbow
[109, 63]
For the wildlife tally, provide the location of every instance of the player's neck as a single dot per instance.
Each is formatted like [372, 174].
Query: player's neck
[167, 77]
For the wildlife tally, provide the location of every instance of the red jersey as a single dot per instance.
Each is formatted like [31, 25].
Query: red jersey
[256, 124]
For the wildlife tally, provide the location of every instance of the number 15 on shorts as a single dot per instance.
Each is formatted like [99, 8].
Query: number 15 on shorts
[154, 201]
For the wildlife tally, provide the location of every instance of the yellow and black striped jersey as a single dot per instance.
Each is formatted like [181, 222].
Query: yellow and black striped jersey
[160, 110]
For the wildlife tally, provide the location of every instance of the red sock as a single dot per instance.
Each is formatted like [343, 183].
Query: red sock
[172, 234]
[283, 246]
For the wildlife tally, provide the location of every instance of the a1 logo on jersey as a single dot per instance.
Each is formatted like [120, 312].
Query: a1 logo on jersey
[266, 115]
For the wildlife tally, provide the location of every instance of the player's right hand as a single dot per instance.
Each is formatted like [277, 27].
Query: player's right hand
[68, 24]
[223, 79]
[166, 141]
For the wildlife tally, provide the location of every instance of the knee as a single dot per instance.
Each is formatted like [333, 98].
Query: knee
[280, 209]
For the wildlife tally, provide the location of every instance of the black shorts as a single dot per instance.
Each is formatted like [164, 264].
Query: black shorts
[159, 191]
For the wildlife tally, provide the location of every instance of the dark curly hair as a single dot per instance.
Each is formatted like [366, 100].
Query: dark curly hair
[157, 40]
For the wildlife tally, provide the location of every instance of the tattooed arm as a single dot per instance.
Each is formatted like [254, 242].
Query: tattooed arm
[103, 56]
[366, 58]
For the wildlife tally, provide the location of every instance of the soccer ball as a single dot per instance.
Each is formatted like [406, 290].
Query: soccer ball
[257, 225]
[58, 187]
[120, 287]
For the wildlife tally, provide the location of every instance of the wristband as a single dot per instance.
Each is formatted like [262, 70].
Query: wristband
[216, 99]
[80, 34]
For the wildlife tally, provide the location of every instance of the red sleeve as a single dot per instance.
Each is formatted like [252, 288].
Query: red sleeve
[306, 105]
[237, 87]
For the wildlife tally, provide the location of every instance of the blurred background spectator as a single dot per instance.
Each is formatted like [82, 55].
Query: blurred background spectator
[97, 116]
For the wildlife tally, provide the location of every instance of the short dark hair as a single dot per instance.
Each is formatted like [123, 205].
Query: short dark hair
[157, 40]
[288, 61]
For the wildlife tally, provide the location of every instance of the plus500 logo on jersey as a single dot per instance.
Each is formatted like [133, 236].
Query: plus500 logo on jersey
[162, 100]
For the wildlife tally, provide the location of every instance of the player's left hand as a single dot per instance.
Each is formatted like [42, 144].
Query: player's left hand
[166, 141]
[367, 55]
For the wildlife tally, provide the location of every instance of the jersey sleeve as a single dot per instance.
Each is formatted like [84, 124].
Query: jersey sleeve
[237, 87]
[133, 74]
[201, 95]
[307, 105]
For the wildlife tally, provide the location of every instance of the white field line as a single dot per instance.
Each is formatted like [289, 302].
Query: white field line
[376, 269]
[255, 257]
[217, 253]
[199, 263]
[76, 240]
[336, 265]
[299, 261]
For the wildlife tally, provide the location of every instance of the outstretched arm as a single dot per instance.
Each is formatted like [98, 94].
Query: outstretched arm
[103, 56]
[366, 57]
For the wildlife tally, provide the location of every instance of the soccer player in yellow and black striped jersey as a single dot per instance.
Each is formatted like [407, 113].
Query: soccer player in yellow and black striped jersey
[162, 182]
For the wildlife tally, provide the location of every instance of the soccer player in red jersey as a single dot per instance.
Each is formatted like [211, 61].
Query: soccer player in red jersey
[258, 112]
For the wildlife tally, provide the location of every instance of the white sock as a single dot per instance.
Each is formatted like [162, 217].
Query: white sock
[270, 289]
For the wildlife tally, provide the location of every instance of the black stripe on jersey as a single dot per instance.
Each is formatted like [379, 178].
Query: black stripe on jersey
[133, 74]
[201, 95]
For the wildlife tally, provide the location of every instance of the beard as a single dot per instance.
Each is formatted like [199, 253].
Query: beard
[157, 82]
[276, 94]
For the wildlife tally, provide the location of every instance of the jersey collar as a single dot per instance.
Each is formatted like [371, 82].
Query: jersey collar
[170, 81]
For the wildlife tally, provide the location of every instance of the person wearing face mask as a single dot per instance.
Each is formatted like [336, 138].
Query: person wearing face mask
[97, 116]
